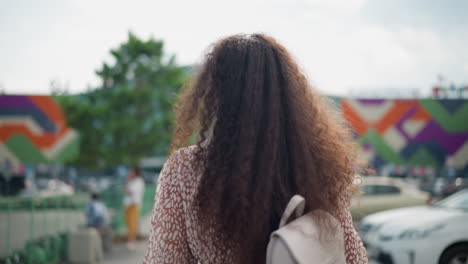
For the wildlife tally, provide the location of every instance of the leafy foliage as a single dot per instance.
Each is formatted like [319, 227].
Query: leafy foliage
[129, 116]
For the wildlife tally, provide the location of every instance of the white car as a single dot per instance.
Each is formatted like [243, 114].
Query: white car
[52, 187]
[384, 193]
[436, 234]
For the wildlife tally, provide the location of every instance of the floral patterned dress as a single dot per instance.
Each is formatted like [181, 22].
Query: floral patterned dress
[175, 237]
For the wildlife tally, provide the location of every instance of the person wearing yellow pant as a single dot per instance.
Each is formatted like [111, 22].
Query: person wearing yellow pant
[131, 218]
[134, 188]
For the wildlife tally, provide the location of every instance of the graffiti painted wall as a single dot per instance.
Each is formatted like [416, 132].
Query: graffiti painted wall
[410, 132]
[400, 132]
[33, 131]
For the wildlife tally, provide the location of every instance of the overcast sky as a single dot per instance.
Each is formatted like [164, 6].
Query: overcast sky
[344, 46]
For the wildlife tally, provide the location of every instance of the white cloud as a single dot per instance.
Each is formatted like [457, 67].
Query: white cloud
[337, 47]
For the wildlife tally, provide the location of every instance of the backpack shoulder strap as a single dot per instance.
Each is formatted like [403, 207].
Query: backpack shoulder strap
[295, 206]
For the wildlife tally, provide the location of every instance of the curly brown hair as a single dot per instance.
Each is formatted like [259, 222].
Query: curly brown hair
[264, 134]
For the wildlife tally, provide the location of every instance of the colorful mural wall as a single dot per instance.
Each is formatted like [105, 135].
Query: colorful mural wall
[423, 132]
[33, 131]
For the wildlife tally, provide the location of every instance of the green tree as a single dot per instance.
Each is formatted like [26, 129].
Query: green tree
[130, 115]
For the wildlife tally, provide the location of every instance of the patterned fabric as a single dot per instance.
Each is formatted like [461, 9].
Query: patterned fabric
[176, 237]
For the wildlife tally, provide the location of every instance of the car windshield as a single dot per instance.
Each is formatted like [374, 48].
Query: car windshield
[379, 189]
[456, 201]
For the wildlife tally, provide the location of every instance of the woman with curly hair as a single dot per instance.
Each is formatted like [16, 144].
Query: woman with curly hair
[263, 134]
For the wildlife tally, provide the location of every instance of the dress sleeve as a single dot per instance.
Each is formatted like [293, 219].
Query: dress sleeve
[168, 238]
[355, 252]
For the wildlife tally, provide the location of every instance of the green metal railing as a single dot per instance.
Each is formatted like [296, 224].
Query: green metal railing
[26, 216]
[54, 217]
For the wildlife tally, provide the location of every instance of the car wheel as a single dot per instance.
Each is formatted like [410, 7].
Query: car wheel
[455, 255]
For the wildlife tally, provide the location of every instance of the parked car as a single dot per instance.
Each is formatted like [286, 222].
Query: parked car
[447, 187]
[50, 187]
[384, 193]
[431, 234]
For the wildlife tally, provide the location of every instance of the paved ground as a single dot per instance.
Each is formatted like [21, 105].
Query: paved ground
[120, 254]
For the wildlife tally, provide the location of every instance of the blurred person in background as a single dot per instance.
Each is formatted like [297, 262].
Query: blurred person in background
[97, 216]
[134, 190]
[264, 135]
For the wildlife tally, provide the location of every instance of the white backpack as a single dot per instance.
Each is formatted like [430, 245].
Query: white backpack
[301, 240]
